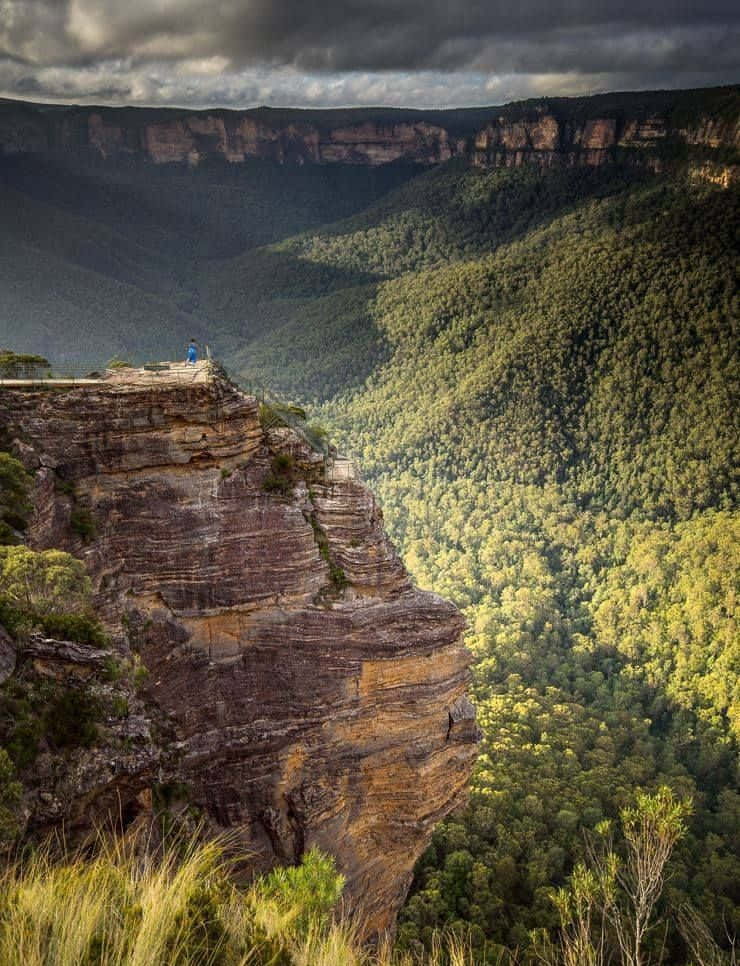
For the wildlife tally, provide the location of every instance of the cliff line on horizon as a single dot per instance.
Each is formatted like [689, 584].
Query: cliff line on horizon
[644, 128]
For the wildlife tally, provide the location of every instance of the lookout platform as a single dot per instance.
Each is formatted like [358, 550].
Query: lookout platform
[152, 374]
[163, 375]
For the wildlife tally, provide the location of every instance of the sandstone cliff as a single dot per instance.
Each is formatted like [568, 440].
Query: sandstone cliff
[644, 127]
[300, 687]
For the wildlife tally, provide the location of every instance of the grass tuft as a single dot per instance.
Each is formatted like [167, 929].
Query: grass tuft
[127, 907]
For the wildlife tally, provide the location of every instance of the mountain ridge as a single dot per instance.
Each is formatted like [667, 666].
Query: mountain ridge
[544, 131]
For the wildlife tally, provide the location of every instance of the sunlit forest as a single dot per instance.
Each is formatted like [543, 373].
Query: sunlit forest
[539, 376]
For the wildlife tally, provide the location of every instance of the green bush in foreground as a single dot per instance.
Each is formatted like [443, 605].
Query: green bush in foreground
[183, 908]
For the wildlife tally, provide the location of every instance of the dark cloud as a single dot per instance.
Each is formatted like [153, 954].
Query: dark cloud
[231, 51]
[27, 85]
[408, 34]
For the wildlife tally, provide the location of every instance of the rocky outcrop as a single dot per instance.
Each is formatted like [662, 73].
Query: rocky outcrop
[308, 693]
[109, 745]
[588, 131]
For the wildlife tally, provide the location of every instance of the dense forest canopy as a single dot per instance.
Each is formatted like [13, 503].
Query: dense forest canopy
[545, 397]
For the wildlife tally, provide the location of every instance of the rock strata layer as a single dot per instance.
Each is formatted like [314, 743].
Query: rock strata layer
[644, 128]
[311, 694]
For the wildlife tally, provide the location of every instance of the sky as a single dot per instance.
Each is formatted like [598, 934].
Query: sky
[330, 53]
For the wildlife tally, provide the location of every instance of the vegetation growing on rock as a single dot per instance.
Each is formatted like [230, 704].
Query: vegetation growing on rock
[14, 503]
[48, 590]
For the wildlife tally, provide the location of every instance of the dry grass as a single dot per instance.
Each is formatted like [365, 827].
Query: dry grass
[122, 908]
[111, 910]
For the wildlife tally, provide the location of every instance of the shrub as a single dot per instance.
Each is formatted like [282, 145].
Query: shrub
[15, 484]
[126, 906]
[273, 415]
[276, 414]
[318, 437]
[49, 581]
[313, 887]
[14, 365]
[337, 576]
[283, 463]
[34, 710]
[10, 798]
[280, 479]
[277, 484]
[21, 726]
[83, 627]
[70, 719]
[82, 523]
[48, 590]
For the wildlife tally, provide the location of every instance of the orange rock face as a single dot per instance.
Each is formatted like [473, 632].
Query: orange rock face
[545, 134]
[599, 134]
[169, 141]
[107, 139]
[643, 133]
[313, 695]
[538, 134]
[370, 143]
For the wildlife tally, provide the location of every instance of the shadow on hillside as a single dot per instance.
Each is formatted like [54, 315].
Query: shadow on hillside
[216, 210]
[455, 212]
[315, 348]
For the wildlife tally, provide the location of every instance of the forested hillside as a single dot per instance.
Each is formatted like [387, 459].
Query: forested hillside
[544, 393]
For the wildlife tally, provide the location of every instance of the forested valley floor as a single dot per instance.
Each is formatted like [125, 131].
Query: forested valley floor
[539, 375]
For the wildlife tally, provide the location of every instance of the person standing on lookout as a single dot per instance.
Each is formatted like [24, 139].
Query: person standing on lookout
[192, 353]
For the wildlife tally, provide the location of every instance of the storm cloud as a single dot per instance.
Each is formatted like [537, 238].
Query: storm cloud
[415, 52]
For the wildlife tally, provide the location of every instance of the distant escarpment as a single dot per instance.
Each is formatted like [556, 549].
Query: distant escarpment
[300, 690]
[646, 128]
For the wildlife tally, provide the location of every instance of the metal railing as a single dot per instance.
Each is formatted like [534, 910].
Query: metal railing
[76, 372]
[93, 372]
[274, 412]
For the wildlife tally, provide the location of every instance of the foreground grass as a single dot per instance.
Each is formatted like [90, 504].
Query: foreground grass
[123, 908]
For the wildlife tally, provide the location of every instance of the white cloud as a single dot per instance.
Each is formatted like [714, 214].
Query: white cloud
[202, 66]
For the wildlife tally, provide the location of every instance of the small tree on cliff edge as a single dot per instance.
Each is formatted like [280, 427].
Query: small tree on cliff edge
[606, 911]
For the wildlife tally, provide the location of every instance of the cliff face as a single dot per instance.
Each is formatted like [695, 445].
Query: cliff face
[300, 686]
[556, 133]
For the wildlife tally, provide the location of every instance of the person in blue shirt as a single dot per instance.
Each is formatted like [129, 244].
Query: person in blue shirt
[192, 353]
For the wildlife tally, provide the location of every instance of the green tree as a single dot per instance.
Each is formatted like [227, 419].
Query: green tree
[15, 365]
[10, 797]
[47, 581]
[607, 910]
[15, 484]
